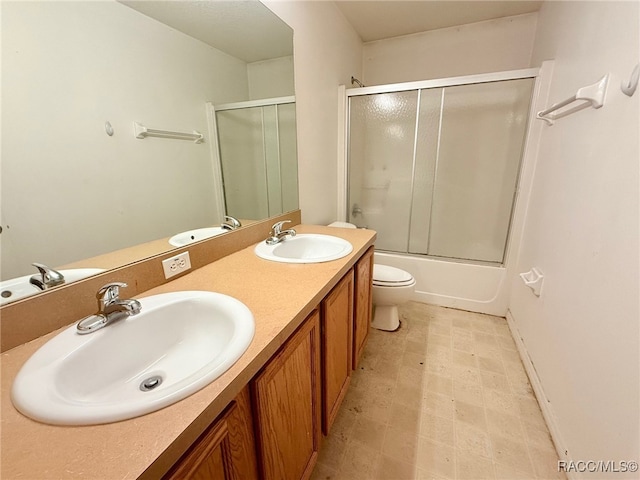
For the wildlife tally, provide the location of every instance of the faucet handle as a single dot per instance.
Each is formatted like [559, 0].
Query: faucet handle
[231, 223]
[276, 228]
[108, 294]
[47, 278]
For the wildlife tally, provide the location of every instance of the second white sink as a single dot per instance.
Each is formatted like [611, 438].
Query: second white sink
[176, 345]
[305, 248]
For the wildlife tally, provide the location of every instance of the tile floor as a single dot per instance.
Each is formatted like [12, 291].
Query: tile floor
[445, 397]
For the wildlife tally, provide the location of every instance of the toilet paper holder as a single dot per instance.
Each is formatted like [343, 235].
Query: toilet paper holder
[533, 279]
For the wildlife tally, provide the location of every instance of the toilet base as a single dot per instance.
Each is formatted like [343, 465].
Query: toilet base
[386, 318]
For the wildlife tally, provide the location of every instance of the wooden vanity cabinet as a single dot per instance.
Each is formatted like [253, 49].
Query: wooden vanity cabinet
[286, 398]
[363, 308]
[226, 451]
[337, 343]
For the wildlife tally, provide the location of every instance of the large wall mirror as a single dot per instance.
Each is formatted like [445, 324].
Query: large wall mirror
[76, 76]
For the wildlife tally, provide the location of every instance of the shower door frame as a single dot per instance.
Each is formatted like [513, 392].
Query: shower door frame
[216, 157]
[343, 163]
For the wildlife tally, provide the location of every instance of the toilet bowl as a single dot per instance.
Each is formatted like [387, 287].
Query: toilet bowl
[391, 287]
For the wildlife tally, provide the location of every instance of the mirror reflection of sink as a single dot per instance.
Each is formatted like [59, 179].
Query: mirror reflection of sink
[179, 343]
[305, 248]
[19, 287]
[190, 236]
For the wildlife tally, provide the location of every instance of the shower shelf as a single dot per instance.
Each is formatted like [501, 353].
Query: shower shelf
[591, 95]
[143, 132]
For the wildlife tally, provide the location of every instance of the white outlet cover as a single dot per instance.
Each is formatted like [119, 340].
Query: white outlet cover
[176, 265]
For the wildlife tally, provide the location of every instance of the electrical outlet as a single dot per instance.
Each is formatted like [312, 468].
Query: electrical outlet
[176, 265]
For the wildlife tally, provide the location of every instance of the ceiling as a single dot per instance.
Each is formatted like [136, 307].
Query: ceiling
[376, 20]
[244, 29]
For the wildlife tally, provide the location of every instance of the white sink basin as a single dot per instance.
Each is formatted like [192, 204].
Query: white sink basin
[188, 339]
[17, 288]
[190, 236]
[305, 248]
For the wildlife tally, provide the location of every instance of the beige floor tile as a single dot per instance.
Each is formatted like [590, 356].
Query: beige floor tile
[466, 375]
[473, 467]
[495, 381]
[391, 469]
[444, 397]
[332, 451]
[437, 429]
[409, 376]
[436, 458]
[465, 359]
[493, 365]
[500, 402]
[438, 384]
[472, 440]
[468, 393]
[471, 414]
[511, 453]
[359, 461]
[438, 404]
[409, 395]
[401, 445]
[368, 432]
[507, 472]
[405, 417]
[323, 472]
[545, 463]
[435, 339]
[505, 425]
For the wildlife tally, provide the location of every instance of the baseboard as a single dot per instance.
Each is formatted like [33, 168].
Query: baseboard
[545, 405]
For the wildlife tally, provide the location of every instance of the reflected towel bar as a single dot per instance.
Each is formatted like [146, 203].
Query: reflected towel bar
[592, 95]
[143, 132]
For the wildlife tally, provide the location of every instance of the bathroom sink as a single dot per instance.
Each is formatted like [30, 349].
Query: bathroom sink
[190, 236]
[19, 287]
[305, 248]
[179, 343]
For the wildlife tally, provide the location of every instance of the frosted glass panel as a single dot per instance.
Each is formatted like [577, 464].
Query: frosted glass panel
[381, 139]
[242, 157]
[426, 152]
[288, 157]
[259, 160]
[481, 141]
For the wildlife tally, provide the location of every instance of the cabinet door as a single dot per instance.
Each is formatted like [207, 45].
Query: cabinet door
[287, 406]
[363, 307]
[336, 332]
[226, 451]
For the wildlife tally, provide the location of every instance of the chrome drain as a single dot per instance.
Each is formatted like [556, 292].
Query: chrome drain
[150, 383]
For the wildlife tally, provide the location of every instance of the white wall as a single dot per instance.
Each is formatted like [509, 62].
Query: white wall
[327, 53]
[271, 78]
[581, 231]
[69, 191]
[483, 47]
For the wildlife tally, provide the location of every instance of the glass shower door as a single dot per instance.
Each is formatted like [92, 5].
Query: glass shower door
[382, 132]
[482, 137]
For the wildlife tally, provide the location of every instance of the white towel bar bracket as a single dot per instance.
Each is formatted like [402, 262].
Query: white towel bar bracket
[591, 96]
[630, 88]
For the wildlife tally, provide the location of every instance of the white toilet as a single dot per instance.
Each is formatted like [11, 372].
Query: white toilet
[391, 287]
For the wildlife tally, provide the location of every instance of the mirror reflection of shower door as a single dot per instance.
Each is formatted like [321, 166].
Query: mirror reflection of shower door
[381, 139]
[242, 157]
[257, 147]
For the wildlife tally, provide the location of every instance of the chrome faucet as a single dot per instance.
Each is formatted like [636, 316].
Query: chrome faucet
[231, 223]
[110, 309]
[276, 235]
[47, 278]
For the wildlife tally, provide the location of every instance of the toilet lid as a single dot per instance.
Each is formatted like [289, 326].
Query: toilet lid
[385, 275]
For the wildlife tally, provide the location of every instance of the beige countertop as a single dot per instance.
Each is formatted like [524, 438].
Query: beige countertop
[279, 295]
